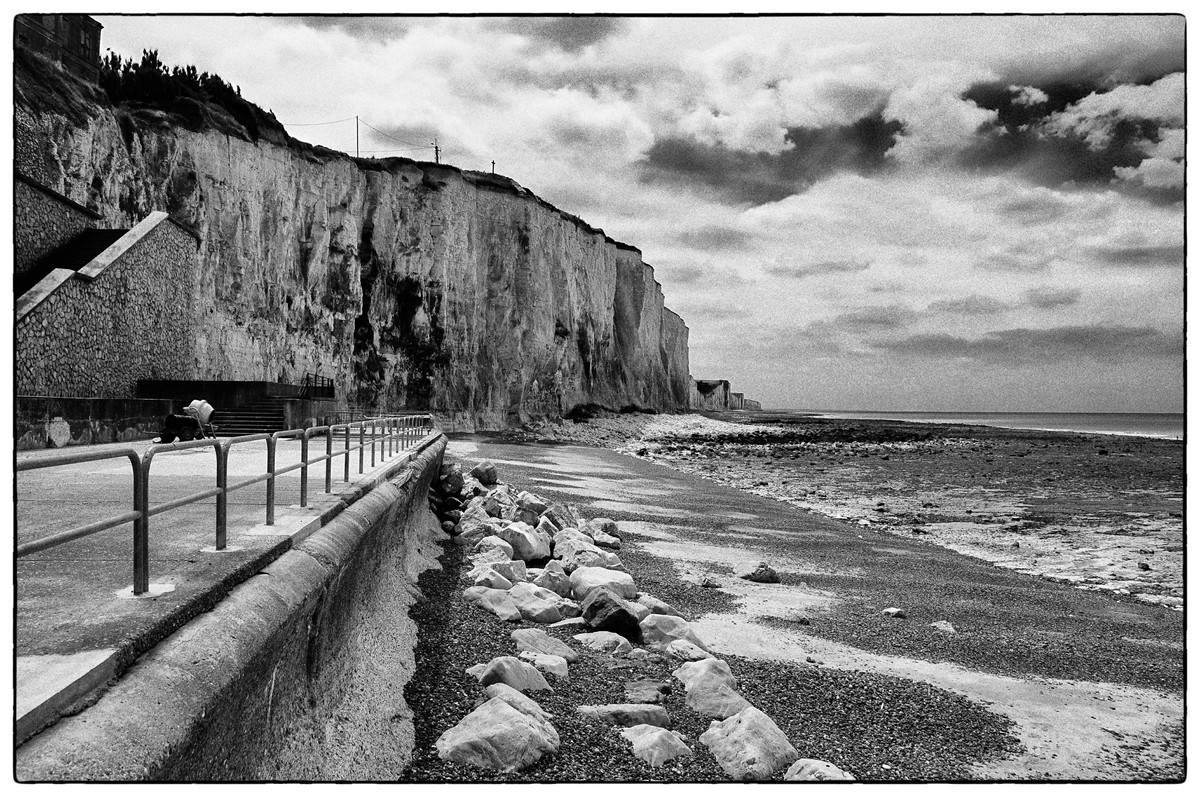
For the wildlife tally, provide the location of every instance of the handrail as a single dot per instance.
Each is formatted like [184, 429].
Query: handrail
[392, 433]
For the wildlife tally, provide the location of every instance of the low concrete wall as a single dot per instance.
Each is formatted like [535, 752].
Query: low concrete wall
[298, 674]
[53, 422]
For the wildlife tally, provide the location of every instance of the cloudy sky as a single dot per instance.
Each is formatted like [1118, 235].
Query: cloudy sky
[874, 213]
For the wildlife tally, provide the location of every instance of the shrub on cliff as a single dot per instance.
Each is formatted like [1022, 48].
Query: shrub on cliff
[195, 99]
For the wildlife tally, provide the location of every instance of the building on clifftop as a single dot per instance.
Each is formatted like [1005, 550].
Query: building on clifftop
[72, 40]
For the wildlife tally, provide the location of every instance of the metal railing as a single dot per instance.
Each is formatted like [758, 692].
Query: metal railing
[390, 434]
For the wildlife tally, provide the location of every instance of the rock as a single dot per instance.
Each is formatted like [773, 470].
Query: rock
[474, 524]
[590, 556]
[535, 604]
[451, 483]
[656, 606]
[563, 516]
[686, 651]
[548, 526]
[586, 579]
[714, 698]
[448, 526]
[748, 745]
[762, 573]
[709, 581]
[892, 611]
[567, 540]
[538, 641]
[660, 630]
[626, 714]
[489, 555]
[606, 540]
[497, 601]
[510, 670]
[570, 608]
[512, 569]
[943, 625]
[1143, 565]
[604, 610]
[555, 665]
[605, 642]
[526, 542]
[646, 690]
[572, 623]
[498, 543]
[656, 745]
[488, 577]
[638, 609]
[534, 503]
[498, 736]
[813, 769]
[485, 473]
[554, 580]
[694, 672]
[518, 700]
[602, 525]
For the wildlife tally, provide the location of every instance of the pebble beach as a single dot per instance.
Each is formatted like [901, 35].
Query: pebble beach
[881, 649]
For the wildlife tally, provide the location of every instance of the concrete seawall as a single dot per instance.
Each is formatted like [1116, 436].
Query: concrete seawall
[297, 674]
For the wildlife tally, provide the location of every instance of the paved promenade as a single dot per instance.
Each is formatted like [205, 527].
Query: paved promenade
[77, 620]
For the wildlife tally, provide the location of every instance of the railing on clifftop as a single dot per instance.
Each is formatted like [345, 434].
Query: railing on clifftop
[392, 434]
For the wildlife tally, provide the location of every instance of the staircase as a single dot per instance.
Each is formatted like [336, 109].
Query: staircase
[73, 255]
[264, 415]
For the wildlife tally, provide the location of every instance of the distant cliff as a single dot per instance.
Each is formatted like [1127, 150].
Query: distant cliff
[413, 285]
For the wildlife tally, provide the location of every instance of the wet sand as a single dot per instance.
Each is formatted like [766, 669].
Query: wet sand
[1101, 512]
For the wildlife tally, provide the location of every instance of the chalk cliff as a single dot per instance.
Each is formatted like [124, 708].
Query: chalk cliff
[413, 285]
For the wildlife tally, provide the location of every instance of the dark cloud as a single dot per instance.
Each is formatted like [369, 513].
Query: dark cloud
[869, 319]
[1024, 346]
[698, 273]
[714, 237]
[1022, 260]
[757, 177]
[1049, 298]
[375, 28]
[802, 270]
[1140, 256]
[569, 33]
[970, 305]
[1022, 140]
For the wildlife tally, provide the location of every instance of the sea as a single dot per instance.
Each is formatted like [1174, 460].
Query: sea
[1165, 425]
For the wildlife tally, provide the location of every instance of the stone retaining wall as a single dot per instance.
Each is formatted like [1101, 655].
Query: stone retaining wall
[51, 422]
[134, 320]
[297, 674]
[43, 220]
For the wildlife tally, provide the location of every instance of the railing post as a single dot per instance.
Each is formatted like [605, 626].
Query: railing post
[222, 497]
[304, 469]
[328, 459]
[346, 469]
[374, 434]
[141, 534]
[362, 425]
[271, 480]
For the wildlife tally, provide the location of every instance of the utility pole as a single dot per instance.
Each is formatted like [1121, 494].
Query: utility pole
[493, 167]
[356, 136]
[437, 156]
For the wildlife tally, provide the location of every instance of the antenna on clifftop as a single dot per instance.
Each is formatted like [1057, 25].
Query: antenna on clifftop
[436, 151]
[493, 167]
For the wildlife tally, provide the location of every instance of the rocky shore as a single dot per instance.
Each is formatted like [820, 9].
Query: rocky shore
[546, 654]
[1100, 512]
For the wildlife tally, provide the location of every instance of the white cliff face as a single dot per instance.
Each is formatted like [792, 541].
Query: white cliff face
[412, 285]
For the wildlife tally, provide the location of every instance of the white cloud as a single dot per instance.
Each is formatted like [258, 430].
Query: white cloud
[1096, 116]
